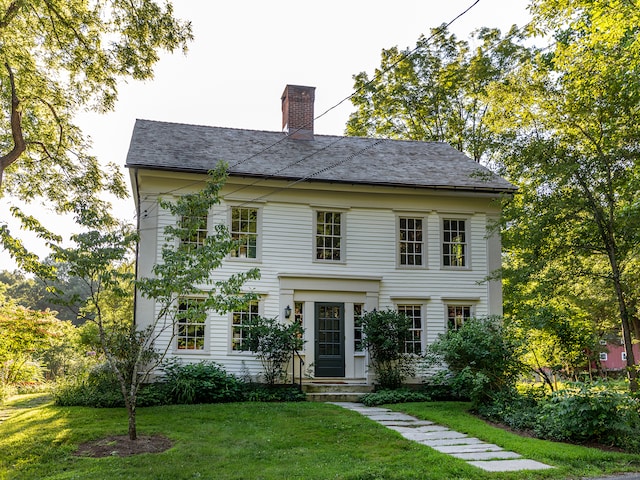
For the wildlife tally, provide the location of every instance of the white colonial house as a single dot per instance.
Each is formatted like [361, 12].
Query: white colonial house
[338, 226]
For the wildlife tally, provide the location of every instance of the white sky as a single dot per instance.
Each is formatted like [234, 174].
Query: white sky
[245, 52]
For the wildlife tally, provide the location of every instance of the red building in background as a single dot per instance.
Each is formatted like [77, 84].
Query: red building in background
[615, 357]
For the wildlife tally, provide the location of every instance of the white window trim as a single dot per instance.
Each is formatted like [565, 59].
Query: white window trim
[603, 356]
[422, 217]
[467, 234]
[231, 351]
[259, 233]
[415, 301]
[457, 303]
[343, 235]
[207, 327]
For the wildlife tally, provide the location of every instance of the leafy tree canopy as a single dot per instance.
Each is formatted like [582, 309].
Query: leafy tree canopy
[570, 126]
[57, 58]
[436, 91]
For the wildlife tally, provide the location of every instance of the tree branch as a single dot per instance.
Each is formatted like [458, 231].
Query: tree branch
[19, 144]
[10, 13]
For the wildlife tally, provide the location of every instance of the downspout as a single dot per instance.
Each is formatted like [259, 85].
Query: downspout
[135, 284]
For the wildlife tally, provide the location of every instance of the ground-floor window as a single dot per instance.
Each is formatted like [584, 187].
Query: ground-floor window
[456, 315]
[414, 313]
[239, 323]
[190, 324]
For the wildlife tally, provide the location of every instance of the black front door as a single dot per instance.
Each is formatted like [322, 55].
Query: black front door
[329, 359]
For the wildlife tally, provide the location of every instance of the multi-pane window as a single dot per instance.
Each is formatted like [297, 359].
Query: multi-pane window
[244, 230]
[357, 327]
[414, 343]
[328, 235]
[410, 241]
[454, 244]
[240, 320]
[456, 315]
[194, 231]
[190, 324]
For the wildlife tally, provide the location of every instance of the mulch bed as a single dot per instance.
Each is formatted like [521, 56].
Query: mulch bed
[121, 446]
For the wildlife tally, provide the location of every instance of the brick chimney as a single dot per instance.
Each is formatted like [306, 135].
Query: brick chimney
[297, 111]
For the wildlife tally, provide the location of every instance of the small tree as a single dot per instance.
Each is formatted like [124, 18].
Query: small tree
[385, 333]
[98, 259]
[274, 343]
[25, 338]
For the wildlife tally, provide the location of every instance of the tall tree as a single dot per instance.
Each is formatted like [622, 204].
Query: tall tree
[57, 58]
[437, 91]
[572, 123]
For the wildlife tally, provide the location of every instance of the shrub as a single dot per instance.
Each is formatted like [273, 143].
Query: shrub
[444, 385]
[519, 411]
[482, 357]
[203, 382]
[583, 413]
[274, 343]
[384, 334]
[97, 388]
[401, 395]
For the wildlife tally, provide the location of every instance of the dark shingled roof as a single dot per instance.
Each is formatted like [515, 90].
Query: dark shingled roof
[252, 153]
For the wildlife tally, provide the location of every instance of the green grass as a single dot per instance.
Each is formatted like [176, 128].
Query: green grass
[268, 441]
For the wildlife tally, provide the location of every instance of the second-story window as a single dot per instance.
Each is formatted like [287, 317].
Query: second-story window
[328, 239]
[410, 241]
[244, 230]
[454, 243]
[194, 231]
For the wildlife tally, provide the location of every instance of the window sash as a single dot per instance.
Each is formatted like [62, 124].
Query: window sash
[414, 313]
[328, 236]
[410, 241]
[244, 230]
[240, 320]
[195, 238]
[190, 325]
[456, 315]
[454, 243]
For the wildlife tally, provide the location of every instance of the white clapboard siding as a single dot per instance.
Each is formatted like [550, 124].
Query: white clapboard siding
[286, 241]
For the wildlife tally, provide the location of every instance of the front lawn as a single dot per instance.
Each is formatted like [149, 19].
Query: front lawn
[268, 441]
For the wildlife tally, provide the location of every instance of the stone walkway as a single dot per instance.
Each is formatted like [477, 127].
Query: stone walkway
[486, 456]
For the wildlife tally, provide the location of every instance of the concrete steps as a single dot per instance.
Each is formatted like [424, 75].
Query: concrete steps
[335, 391]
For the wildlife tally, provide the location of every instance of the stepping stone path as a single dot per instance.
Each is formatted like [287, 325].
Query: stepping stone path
[486, 456]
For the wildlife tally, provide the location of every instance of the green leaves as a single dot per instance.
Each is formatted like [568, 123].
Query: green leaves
[571, 146]
[274, 342]
[64, 56]
[384, 335]
[436, 92]
[186, 265]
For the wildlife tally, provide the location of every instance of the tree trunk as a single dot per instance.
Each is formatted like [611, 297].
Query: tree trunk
[19, 144]
[632, 373]
[131, 411]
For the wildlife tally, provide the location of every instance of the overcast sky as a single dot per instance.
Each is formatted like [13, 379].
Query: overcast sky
[245, 52]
